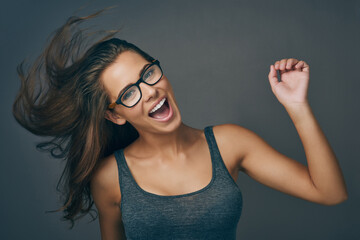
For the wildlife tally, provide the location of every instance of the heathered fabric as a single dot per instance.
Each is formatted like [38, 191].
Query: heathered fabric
[212, 212]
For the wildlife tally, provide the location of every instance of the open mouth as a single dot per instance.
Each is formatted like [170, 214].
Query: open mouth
[161, 111]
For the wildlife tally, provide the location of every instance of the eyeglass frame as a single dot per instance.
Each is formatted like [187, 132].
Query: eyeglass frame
[137, 84]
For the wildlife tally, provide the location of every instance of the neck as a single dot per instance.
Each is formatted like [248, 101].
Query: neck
[167, 146]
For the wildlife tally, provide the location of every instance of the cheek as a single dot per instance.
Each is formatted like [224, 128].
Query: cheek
[130, 114]
[135, 112]
[166, 84]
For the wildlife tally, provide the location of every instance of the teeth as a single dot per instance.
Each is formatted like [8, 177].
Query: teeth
[158, 105]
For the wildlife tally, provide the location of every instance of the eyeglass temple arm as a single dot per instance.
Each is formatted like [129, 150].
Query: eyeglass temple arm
[112, 105]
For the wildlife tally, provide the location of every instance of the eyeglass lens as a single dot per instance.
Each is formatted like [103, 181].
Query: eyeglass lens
[151, 76]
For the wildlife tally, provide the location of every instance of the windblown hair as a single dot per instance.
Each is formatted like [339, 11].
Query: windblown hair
[61, 97]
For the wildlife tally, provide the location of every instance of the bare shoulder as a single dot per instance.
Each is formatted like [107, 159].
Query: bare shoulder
[231, 132]
[105, 190]
[105, 186]
[235, 141]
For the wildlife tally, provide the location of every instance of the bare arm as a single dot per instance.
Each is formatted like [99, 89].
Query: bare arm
[322, 180]
[323, 166]
[107, 197]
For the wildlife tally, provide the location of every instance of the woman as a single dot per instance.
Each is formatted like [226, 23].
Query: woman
[112, 115]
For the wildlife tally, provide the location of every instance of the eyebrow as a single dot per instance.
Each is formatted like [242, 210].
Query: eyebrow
[141, 71]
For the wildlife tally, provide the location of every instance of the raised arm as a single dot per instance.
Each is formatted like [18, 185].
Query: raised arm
[107, 197]
[321, 181]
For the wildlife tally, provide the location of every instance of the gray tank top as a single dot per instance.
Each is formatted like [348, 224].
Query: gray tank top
[212, 212]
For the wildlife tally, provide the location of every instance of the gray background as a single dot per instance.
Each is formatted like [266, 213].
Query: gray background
[217, 56]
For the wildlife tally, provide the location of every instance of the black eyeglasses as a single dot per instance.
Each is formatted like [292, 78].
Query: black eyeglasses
[131, 95]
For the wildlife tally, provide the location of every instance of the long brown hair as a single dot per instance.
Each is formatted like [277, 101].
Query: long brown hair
[62, 97]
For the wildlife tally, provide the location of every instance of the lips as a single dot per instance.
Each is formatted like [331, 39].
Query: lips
[163, 113]
[156, 103]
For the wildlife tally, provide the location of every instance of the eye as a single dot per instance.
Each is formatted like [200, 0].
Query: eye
[148, 74]
[128, 94]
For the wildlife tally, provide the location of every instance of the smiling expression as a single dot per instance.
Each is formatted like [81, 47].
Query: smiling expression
[126, 69]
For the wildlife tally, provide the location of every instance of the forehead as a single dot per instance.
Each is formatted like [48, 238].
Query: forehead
[124, 70]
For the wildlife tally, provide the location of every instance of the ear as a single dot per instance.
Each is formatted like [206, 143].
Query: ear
[114, 117]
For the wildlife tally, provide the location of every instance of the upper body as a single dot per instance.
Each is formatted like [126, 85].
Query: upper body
[166, 177]
[115, 96]
[163, 152]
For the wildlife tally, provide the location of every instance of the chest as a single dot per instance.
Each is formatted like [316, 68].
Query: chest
[210, 214]
[188, 173]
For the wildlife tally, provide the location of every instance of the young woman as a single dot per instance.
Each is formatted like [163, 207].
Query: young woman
[112, 114]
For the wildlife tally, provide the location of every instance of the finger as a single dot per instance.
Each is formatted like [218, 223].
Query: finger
[282, 64]
[299, 65]
[306, 67]
[277, 65]
[273, 76]
[290, 63]
[303, 66]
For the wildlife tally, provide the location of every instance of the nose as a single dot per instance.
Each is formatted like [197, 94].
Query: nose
[148, 91]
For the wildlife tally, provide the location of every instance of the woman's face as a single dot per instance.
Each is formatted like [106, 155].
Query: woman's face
[126, 70]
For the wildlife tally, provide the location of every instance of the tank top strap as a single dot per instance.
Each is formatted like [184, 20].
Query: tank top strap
[222, 173]
[125, 181]
[214, 150]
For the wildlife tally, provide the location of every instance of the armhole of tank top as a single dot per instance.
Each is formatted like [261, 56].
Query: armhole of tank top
[221, 160]
[118, 163]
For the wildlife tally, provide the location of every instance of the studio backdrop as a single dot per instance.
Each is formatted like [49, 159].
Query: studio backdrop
[217, 55]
